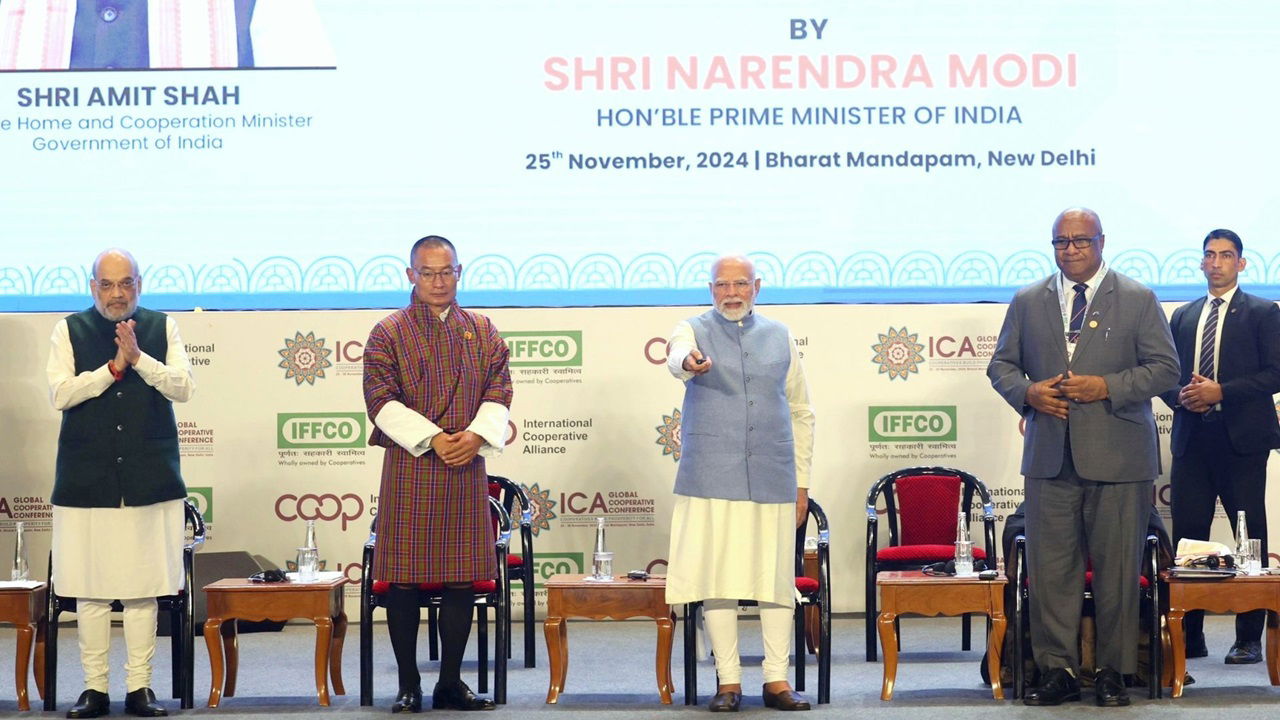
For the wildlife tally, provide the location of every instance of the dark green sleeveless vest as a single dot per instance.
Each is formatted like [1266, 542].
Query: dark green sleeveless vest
[123, 444]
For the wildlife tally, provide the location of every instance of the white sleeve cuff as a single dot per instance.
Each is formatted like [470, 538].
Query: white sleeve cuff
[406, 428]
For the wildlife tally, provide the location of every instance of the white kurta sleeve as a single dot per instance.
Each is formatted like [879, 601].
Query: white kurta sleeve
[406, 428]
[490, 423]
[66, 388]
[802, 420]
[679, 345]
[172, 377]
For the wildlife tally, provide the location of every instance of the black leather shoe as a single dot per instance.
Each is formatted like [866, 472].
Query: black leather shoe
[1244, 653]
[457, 696]
[408, 701]
[785, 700]
[1196, 647]
[91, 704]
[725, 702]
[1057, 687]
[1108, 689]
[142, 703]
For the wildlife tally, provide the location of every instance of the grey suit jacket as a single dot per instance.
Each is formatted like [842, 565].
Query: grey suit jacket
[1126, 340]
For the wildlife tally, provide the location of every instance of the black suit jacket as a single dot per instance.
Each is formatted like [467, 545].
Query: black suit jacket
[1248, 370]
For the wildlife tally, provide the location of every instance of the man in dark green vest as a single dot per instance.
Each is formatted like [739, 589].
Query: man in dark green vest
[114, 371]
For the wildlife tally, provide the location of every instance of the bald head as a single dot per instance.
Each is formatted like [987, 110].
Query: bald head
[734, 286]
[115, 284]
[1077, 243]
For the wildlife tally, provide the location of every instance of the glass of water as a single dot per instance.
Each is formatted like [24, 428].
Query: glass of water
[308, 564]
[602, 566]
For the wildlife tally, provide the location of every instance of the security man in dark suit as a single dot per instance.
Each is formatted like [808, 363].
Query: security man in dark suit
[1224, 423]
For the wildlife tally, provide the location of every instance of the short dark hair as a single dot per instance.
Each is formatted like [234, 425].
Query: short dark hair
[432, 241]
[1224, 234]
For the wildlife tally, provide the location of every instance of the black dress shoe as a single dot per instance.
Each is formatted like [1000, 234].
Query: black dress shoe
[1196, 647]
[1057, 687]
[1244, 653]
[457, 696]
[1108, 689]
[91, 704]
[408, 701]
[728, 701]
[786, 700]
[142, 703]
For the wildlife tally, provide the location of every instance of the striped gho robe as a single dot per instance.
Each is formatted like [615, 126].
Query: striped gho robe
[433, 521]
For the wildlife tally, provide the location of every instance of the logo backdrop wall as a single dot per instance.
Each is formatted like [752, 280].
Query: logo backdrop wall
[276, 433]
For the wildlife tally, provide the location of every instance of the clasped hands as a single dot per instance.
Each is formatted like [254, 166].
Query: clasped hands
[127, 350]
[1200, 395]
[457, 449]
[1050, 396]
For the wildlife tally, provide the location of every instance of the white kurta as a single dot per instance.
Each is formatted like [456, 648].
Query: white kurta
[738, 549]
[125, 552]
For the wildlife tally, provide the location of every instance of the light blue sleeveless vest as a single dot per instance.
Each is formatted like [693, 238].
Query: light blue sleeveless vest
[736, 441]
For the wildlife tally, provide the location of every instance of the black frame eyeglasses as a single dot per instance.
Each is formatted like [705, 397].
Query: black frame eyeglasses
[1079, 243]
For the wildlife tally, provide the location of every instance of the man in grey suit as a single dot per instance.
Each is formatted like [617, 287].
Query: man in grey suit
[1080, 356]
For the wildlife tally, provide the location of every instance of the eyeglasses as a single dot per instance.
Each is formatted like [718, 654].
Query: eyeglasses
[722, 285]
[126, 284]
[1079, 243]
[428, 275]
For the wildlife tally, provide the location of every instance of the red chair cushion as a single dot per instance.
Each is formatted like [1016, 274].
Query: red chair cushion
[485, 587]
[515, 561]
[922, 554]
[927, 506]
[1088, 580]
[806, 585]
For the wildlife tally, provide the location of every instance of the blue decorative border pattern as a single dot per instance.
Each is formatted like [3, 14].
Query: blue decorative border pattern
[863, 276]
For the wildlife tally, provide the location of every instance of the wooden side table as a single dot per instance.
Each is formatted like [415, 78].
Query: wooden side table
[1231, 595]
[236, 598]
[618, 599]
[26, 609]
[905, 592]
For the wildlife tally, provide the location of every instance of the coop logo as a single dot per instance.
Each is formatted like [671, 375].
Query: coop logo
[547, 564]
[669, 435]
[542, 507]
[548, 348]
[202, 498]
[304, 358]
[898, 354]
[320, 430]
[325, 506]
[911, 423]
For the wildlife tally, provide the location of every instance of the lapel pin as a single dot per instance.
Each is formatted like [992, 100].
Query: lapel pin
[1093, 323]
[466, 335]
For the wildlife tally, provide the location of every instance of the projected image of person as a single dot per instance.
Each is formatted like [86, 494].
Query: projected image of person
[742, 483]
[438, 390]
[1224, 421]
[115, 371]
[1080, 356]
[141, 34]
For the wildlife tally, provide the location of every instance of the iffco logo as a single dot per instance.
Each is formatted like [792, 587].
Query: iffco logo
[304, 358]
[547, 564]
[911, 423]
[551, 348]
[898, 354]
[202, 497]
[320, 430]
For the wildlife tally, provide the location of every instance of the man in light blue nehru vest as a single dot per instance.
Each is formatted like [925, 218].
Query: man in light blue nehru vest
[742, 485]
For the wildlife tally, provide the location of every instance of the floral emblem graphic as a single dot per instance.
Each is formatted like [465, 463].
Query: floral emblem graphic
[669, 435]
[542, 507]
[304, 358]
[898, 354]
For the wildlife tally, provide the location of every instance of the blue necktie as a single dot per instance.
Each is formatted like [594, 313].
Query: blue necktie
[1077, 312]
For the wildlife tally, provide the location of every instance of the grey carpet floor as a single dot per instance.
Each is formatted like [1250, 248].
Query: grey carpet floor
[611, 673]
